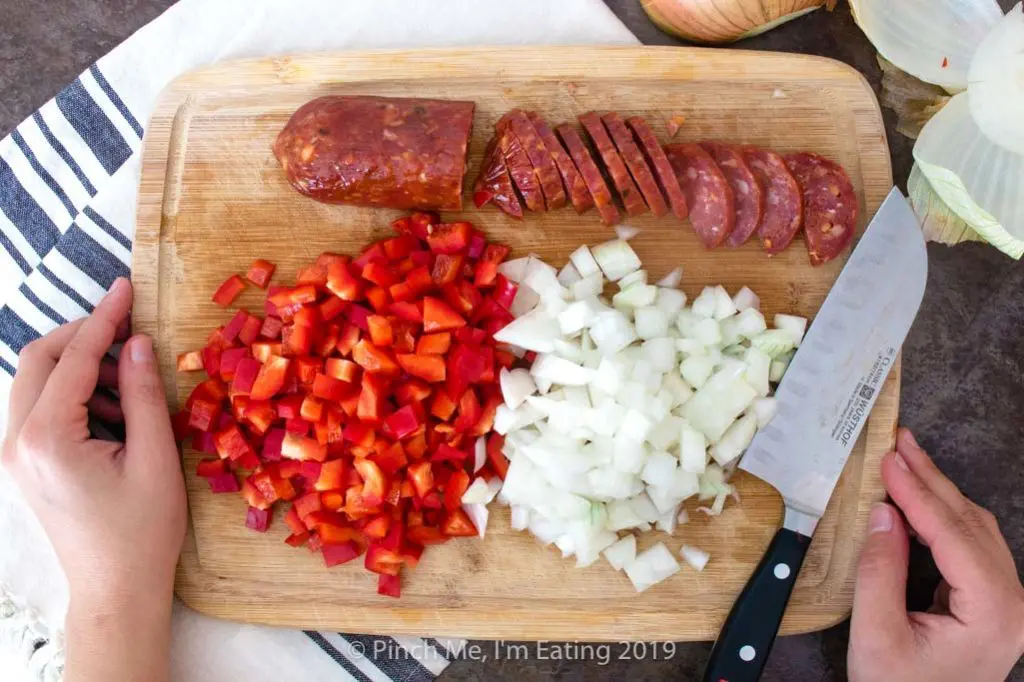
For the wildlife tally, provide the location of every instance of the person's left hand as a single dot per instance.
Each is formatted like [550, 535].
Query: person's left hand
[115, 512]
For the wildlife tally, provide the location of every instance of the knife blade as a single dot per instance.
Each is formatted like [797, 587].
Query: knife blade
[823, 402]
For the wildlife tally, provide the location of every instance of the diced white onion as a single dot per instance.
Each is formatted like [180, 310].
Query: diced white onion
[479, 453]
[626, 232]
[478, 514]
[622, 552]
[672, 279]
[694, 556]
[616, 259]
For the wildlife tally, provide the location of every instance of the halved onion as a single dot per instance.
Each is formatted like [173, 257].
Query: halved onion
[938, 221]
[981, 181]
[931, 39]
[995, 82]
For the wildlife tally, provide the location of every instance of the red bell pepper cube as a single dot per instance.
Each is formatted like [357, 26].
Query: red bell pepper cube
[192, 361]
[430, 368]
[421, 259]
[403, 422]
[179, 425]
[371, 398]
[380, 559]
[203, 442]
[263, 351]
[476, 245]
[447, 268]
[456, 487]
[422, 476]
[293, 297]
[272, 445]
[208, 468]
[260, 272]
[450, 237]
[203, 414]
[434, 344]
[411, 391]
[380, 331]
[332, 475]
[421, 222]
[250, 330]
[377, 528]
[333, 499]
[299, 447]
[374, 360]
[311, 409]
[419, 280]
[211, 361]
[342, 369]
[331, 307]
[391, 461]
[469, 411]
[426, 535]
[399, 247]
[404, 336]
[342, 283]
[224, 483]
[229, 360]
[288, 407]
[245, 376]
[504, 291]
[458, 524]
[270, 378]
[261, 416]
[379, 273]
[359, 434]
[462, 296]
[389, 586]
[358, 315]
[438, 316]
[327, 257]
[471, 335]
[406, 310]
[307, 367]
[296, 340]
[231, 443]
[314, 273]
[443, 407]
[329, 388]
[305, 505]
[294, 521]
[335, 555]
[307, 316]
[298, 539]
[486, 271]
[350, 334]
[379, 298]
[495, 457]
[228, 291]
[488, 411]
[298, 426]
[446, 452]
[410, 553]
[371, 254]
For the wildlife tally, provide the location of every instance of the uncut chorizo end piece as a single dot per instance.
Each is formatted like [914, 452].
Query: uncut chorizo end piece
[494, 183]
[783, 204]
[632, 201]
[636, 163]
[393, 152]
[519, 167]
[708, 194]
[575, 185]
[830, 205]
[746, 190]
[591, 174]
[540, 158]
[662, 168]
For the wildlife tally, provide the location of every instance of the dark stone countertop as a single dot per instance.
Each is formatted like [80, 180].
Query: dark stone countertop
[963, 369]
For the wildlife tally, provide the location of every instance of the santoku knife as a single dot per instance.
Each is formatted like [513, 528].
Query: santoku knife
[823, 401]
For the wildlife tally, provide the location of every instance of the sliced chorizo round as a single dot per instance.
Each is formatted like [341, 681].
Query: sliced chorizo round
[519, 167]
[636, 163]
[494, 183]
[393, 152]
[632, 201]
[708, 194]
[830, 205]
[540, 158]
[746, 190]
[575, 186]
[591, 174]
[662, 168]
[783, 204]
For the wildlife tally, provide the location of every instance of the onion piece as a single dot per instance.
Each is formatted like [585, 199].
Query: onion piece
[995, 82]
[479, 453]
[672, 279]
[616, 259]
[514, 270]
[745, 298]
[651, 567]
[622, 552]
[626, 232]
[478, 514]
[696, 557]
[933, 40]
[583, 260]
[977, 178]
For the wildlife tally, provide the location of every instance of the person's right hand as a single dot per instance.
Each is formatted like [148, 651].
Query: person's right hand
[974, 632]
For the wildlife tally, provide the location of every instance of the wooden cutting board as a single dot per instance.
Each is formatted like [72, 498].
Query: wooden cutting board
[212, 198]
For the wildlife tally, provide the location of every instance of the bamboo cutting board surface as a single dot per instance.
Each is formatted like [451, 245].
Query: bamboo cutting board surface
[212, 198]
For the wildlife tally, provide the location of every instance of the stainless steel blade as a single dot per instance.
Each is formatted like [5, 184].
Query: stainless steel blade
[832, 383]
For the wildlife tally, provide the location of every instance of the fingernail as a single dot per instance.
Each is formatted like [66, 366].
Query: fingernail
[880, 520]
[142, 350]
[908, 436]
[900, 462]
[117, 286]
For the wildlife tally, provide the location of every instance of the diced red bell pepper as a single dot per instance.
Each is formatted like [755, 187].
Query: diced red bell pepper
[307, 367]
[458, 524]
[447, 268]
[434, 344]
[203, 414]
[332, 475]
[456, 487]
[331, 307]
[288, 407]
[462, 296]
[426, 535]
[262, 351]
[399, 247]
[314, 273]
[377, 527]
[296, 340]
[470, 335]
[450, 237]
[335, 555]
[410, 553]
[250, 330]
[203, 442]
[270, 379]
[311, 409]
[342, 283]
[495, 457]
[224, 483]
[358, 315]
[389, 585]
[486, 271]
[469, 411]
[307, 316]
[411, 391]
[329, 388]
[260, 272]
[292, 297]
[476, 245]
[379, 298]
[299, 447]
[422, 476]
[371, 254]
[380, 331]
[305, 505]
[374, 360]
[245, 376]
[350, 334]
[446, 453]
[342, 369]
[379, 273]
[421, 222]
[438, 316]
[443, 407]
[297, 426]
[380, 559]
[179, 425]
[371, 398]
[430, 368]
[211, 361]
[406, 310]
[228, 291]
[272, 442]
[504, 291]
[261, 415]
[229, 360]
[294, 521]
[298, 539]
[391, 460]
[208, 468]
[403, 422]
[231, 443]
[191, 361]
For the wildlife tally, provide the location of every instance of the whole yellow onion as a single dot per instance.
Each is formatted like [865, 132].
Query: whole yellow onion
[723, 21]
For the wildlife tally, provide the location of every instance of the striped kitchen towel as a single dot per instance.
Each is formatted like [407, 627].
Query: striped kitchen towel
[68, 178]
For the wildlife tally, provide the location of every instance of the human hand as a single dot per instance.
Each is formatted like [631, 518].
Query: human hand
[975, 629]
[114, 512]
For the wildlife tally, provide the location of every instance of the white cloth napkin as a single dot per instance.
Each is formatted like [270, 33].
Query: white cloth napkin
[68, 179]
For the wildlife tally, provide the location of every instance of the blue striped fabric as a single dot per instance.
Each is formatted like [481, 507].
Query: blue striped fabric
[62, 244]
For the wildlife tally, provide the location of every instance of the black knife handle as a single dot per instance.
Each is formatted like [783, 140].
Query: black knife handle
[742, 647]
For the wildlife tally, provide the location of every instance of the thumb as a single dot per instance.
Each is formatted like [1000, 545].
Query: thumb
[147, 421]
[880, 599]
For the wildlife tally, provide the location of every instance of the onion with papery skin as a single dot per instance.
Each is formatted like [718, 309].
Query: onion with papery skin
[938, 221]
[723, 21]
[933, 40]
[981, 181]
[913, 100]
[995, 82]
